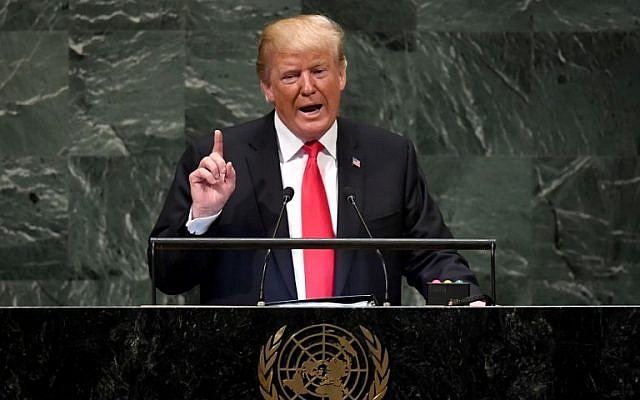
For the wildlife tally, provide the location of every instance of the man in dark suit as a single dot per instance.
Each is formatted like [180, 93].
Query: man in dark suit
[232, 187]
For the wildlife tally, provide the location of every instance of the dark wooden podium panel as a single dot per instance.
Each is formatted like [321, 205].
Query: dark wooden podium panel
[216, 352]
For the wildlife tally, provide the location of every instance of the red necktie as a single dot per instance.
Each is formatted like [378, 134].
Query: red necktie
[316, 223]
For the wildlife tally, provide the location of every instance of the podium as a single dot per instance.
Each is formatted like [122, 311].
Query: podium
[199, 243]
[244, 352]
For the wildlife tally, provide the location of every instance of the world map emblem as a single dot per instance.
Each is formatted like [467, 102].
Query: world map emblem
[323, 361]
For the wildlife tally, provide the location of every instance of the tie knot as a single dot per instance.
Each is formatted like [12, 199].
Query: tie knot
[312, 148]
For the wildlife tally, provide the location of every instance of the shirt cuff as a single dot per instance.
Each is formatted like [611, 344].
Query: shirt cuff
[198, 226]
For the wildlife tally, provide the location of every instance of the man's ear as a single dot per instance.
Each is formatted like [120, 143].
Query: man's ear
[343, 75]
[268, 93]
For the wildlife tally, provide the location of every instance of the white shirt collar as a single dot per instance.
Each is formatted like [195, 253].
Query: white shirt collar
[289, 145]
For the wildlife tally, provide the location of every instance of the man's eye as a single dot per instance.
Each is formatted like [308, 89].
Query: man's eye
[320, 72]
[289, 78]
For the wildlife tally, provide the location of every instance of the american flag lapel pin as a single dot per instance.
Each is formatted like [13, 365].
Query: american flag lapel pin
[355, 162]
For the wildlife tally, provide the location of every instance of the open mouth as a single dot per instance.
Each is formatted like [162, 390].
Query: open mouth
[311, 108]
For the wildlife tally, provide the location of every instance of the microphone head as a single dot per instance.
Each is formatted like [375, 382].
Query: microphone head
[287, 194]
[349, 194]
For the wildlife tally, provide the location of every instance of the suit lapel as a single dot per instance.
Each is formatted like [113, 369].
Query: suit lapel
[264, 170]
[351, 167]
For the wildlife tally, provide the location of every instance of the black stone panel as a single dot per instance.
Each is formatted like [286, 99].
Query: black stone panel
[221, 85]
[113, 206]
[33, 217]
[527, 94]
[434, 353]
[34, 87]
[236, 15]
[585, 94]
[475, 15]
[390, 24]
[586, 230]
[368, 16]
[473, 93]
[127, 93]
[34, 15]
[527, 15]
[118, 15]
[585, 16]
[380, 88]
[489, 197]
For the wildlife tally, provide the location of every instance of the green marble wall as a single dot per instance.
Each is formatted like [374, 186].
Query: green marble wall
[526, 115]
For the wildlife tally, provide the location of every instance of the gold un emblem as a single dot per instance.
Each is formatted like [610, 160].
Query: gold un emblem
[323, 362]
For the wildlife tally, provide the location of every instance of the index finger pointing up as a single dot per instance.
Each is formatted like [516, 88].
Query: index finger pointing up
[218, 146]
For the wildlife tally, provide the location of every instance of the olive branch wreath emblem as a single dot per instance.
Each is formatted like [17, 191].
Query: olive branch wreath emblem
[269, 354]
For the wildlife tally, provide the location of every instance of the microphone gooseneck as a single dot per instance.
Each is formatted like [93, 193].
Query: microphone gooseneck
[287, 195]
[351, 199]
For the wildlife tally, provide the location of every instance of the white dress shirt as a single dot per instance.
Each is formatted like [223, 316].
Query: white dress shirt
[293, 160]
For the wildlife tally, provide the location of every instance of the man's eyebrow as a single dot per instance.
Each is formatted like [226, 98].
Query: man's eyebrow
[319, 63]
[286, 71]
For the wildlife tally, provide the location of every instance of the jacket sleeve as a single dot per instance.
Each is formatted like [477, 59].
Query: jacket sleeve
[423, 219]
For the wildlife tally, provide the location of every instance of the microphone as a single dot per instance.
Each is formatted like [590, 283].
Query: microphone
[351, 198]
[287, 195]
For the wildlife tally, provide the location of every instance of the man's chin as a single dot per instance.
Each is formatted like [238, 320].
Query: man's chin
[312, 130]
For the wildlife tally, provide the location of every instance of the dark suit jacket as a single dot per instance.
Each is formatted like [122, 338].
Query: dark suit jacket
[390, 191]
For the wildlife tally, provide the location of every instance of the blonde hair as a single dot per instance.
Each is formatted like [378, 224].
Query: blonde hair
[299, 34]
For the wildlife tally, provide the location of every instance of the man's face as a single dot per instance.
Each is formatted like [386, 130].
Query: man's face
[305, 89]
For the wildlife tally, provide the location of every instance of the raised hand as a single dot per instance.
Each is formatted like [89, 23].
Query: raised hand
[213, 182]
